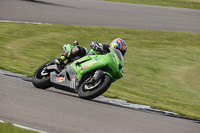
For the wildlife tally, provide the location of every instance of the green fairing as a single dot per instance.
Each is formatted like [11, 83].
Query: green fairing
[93, 52]
[69, 47]
[109, 62]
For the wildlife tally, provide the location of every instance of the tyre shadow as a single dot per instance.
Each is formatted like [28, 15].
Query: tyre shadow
[49, 3]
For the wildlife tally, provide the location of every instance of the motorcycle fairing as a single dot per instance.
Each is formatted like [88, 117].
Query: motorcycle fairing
[65, 80]
[110, 61]
[71, 76]
[86, 64]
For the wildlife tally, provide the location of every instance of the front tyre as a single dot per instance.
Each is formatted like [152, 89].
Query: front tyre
[41, 79]
[92, 90]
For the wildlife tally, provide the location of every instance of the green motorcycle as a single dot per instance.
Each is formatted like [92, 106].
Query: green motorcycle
[89, 76]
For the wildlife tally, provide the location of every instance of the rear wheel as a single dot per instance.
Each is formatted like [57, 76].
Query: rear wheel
[41, 78]
[89, 90]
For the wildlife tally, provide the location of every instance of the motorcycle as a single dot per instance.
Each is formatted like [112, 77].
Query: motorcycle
[89, 76]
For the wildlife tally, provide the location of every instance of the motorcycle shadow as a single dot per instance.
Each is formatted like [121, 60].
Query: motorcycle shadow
[63, 92]
[95, 100]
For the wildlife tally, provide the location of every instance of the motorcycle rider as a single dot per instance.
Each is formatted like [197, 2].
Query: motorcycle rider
[78, 52]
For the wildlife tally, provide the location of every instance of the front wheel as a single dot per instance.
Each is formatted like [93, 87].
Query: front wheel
[41, 79]
[92, 90]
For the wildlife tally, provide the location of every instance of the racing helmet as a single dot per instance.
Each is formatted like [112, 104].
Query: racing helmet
[119, 44]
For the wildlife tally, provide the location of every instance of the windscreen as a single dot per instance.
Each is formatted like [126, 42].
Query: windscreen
[119, 54]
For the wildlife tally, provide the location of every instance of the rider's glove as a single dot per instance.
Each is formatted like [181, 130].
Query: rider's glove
[97, 47]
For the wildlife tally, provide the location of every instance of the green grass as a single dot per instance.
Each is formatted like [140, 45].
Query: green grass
[192, 4]
[9, 128]
[162, 68]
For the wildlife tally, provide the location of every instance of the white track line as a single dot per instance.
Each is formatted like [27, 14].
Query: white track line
[24, 127]
[9, 21]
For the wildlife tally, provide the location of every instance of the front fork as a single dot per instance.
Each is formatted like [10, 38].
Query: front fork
[96, 77]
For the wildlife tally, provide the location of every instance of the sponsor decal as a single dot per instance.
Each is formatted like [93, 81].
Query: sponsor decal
[75, 50]
[72, 83]
[60, 79]
[115, 58]
[86, 66]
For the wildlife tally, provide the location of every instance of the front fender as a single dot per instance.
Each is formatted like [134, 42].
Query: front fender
[111, 76]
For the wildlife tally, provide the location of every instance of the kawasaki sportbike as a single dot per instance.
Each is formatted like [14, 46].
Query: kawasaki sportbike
[89, 76]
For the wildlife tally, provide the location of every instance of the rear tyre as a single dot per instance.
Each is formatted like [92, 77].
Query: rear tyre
[90, 91]
[39, 80]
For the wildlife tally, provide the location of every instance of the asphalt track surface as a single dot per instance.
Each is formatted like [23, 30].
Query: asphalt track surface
[57, 111]
[100, 13]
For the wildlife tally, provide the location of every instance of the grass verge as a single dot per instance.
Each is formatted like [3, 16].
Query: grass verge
[192, 4]
[161, 67]
[9, 128]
